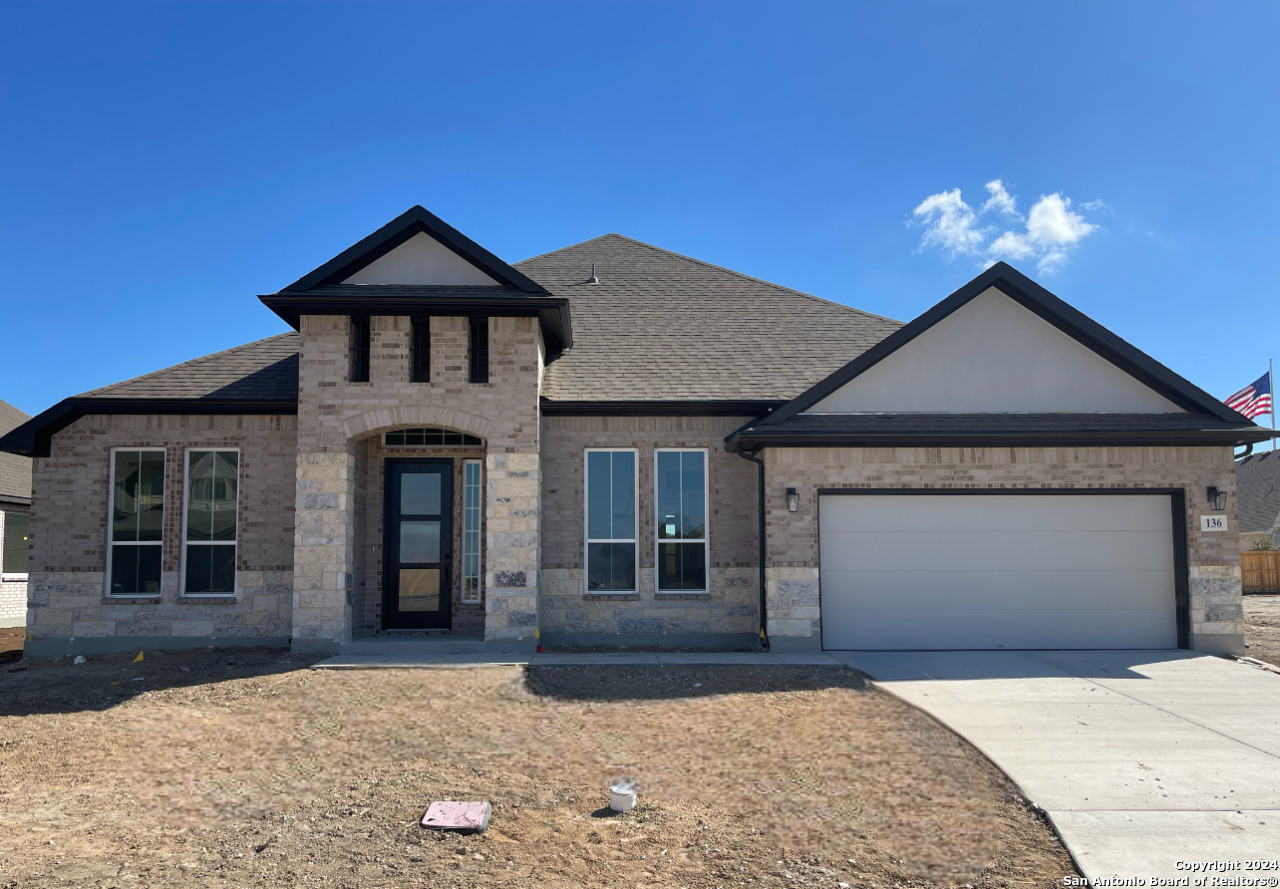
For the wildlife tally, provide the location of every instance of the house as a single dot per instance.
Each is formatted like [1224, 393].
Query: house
[613, 443]
[1258, 483]
[15, 509]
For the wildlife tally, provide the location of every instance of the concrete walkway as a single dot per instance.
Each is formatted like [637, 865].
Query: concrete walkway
[1140, 759]
[426, 654]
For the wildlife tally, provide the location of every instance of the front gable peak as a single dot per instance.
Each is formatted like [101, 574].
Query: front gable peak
[1002, 344]
[419, 249]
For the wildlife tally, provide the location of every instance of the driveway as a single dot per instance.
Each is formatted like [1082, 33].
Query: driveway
[1141, 759]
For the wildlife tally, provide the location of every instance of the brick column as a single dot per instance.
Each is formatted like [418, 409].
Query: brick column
[324, 550]
[513, 545]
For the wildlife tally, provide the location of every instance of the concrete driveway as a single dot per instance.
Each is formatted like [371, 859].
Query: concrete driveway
[1141, 759]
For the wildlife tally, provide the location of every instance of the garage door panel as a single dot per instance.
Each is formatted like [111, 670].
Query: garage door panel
[884, 629]
[974, 571]
[1011, 550]
[998, 512]
[977, 590]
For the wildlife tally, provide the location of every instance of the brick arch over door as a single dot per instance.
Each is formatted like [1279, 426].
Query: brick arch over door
[424, 415]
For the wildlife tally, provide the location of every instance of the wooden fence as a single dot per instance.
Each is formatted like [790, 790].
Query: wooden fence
[1260, 571]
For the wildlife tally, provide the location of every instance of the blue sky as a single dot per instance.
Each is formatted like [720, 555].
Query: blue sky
[165, 163]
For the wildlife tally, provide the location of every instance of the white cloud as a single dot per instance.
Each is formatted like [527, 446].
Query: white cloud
[1000, 199]
[1052, 228]
[949, 223]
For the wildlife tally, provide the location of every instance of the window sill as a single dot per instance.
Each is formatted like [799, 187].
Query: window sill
[13, 578]
[135, 599]
[675, 596]
[207, 598]
[605, 597]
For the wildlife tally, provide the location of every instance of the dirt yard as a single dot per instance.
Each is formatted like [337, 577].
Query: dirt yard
[247, 768]
[1262, 628]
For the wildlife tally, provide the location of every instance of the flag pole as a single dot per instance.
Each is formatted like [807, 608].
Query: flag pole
[1271, 379]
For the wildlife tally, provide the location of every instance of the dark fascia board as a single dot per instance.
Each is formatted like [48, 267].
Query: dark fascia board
[754, 439]
[656, 408]
[1035, 298]
[409, 223]
[552, 311]
[32, 438]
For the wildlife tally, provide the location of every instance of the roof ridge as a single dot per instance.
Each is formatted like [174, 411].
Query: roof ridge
[719, 268]
[743, 275]
[191, 363]
[569, 247]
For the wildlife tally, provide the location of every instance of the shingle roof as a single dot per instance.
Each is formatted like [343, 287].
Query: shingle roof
[264, 370]
[663, 327]
[1258, 490]
[15, 471]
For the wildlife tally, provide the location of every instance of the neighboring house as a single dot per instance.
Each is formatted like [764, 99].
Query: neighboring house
[613, 443]
[15, 523]
[1258, 484]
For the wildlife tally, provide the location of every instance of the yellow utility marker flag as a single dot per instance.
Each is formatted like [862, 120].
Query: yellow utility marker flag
[138, 658]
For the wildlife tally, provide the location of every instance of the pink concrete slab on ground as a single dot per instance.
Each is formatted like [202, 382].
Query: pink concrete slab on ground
[454, 815]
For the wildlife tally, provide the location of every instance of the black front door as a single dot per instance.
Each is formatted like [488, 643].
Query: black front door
[417, 587]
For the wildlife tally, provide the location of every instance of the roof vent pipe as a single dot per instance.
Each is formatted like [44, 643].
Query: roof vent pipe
[593, 279]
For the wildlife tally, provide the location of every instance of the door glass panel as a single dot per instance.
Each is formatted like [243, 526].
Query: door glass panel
[419, 542]
[419, 589]
[420, 494]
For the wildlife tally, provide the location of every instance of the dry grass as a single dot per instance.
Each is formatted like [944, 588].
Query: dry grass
[1262, 628]
[747, 774]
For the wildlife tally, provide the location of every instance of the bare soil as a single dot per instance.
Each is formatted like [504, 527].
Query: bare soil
[246, 768]
[11, 639]
[1262, 628]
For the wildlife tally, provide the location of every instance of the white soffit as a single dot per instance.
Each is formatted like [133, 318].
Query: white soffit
[422, 260]
[992, 355]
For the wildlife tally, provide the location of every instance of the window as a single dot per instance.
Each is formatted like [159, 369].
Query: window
[479, 350]
[431, 438]
[420, 351]
[17, 529]
[610, 495]
[680, 480]
[359, 371]
[136, 514]
[209, 526]
[471, 531]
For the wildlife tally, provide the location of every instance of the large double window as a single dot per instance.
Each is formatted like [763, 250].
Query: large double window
[136, 515]
[612, 521]
[209, 526]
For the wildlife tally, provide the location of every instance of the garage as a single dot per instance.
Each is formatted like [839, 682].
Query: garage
[906, 570]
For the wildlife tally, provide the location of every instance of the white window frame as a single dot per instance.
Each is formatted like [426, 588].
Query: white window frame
[706, 522]
[587, 540]
[11, 576]
[462, 593]
[111, 511]
[186, 485]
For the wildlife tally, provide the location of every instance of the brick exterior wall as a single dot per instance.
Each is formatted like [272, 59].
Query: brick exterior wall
[13, 592]
[792, 555]
[731, 603]
[67, 572]
[338, 472]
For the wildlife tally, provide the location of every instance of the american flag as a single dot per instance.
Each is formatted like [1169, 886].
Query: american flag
[1253, 400]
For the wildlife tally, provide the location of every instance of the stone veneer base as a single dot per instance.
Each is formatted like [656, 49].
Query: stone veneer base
[735, 641]
[87, 645]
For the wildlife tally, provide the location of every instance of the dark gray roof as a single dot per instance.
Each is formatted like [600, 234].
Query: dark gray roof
[264, 370]
[977, 429]
[15, 471]
[663, 327]
[1258, 490]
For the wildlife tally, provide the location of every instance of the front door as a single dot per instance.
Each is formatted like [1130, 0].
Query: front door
[416, 574]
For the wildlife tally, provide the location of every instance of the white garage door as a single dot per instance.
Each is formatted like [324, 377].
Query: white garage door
[978, 571]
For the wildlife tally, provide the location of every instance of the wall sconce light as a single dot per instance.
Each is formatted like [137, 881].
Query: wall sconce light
[1217, 499]
[793, 499]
